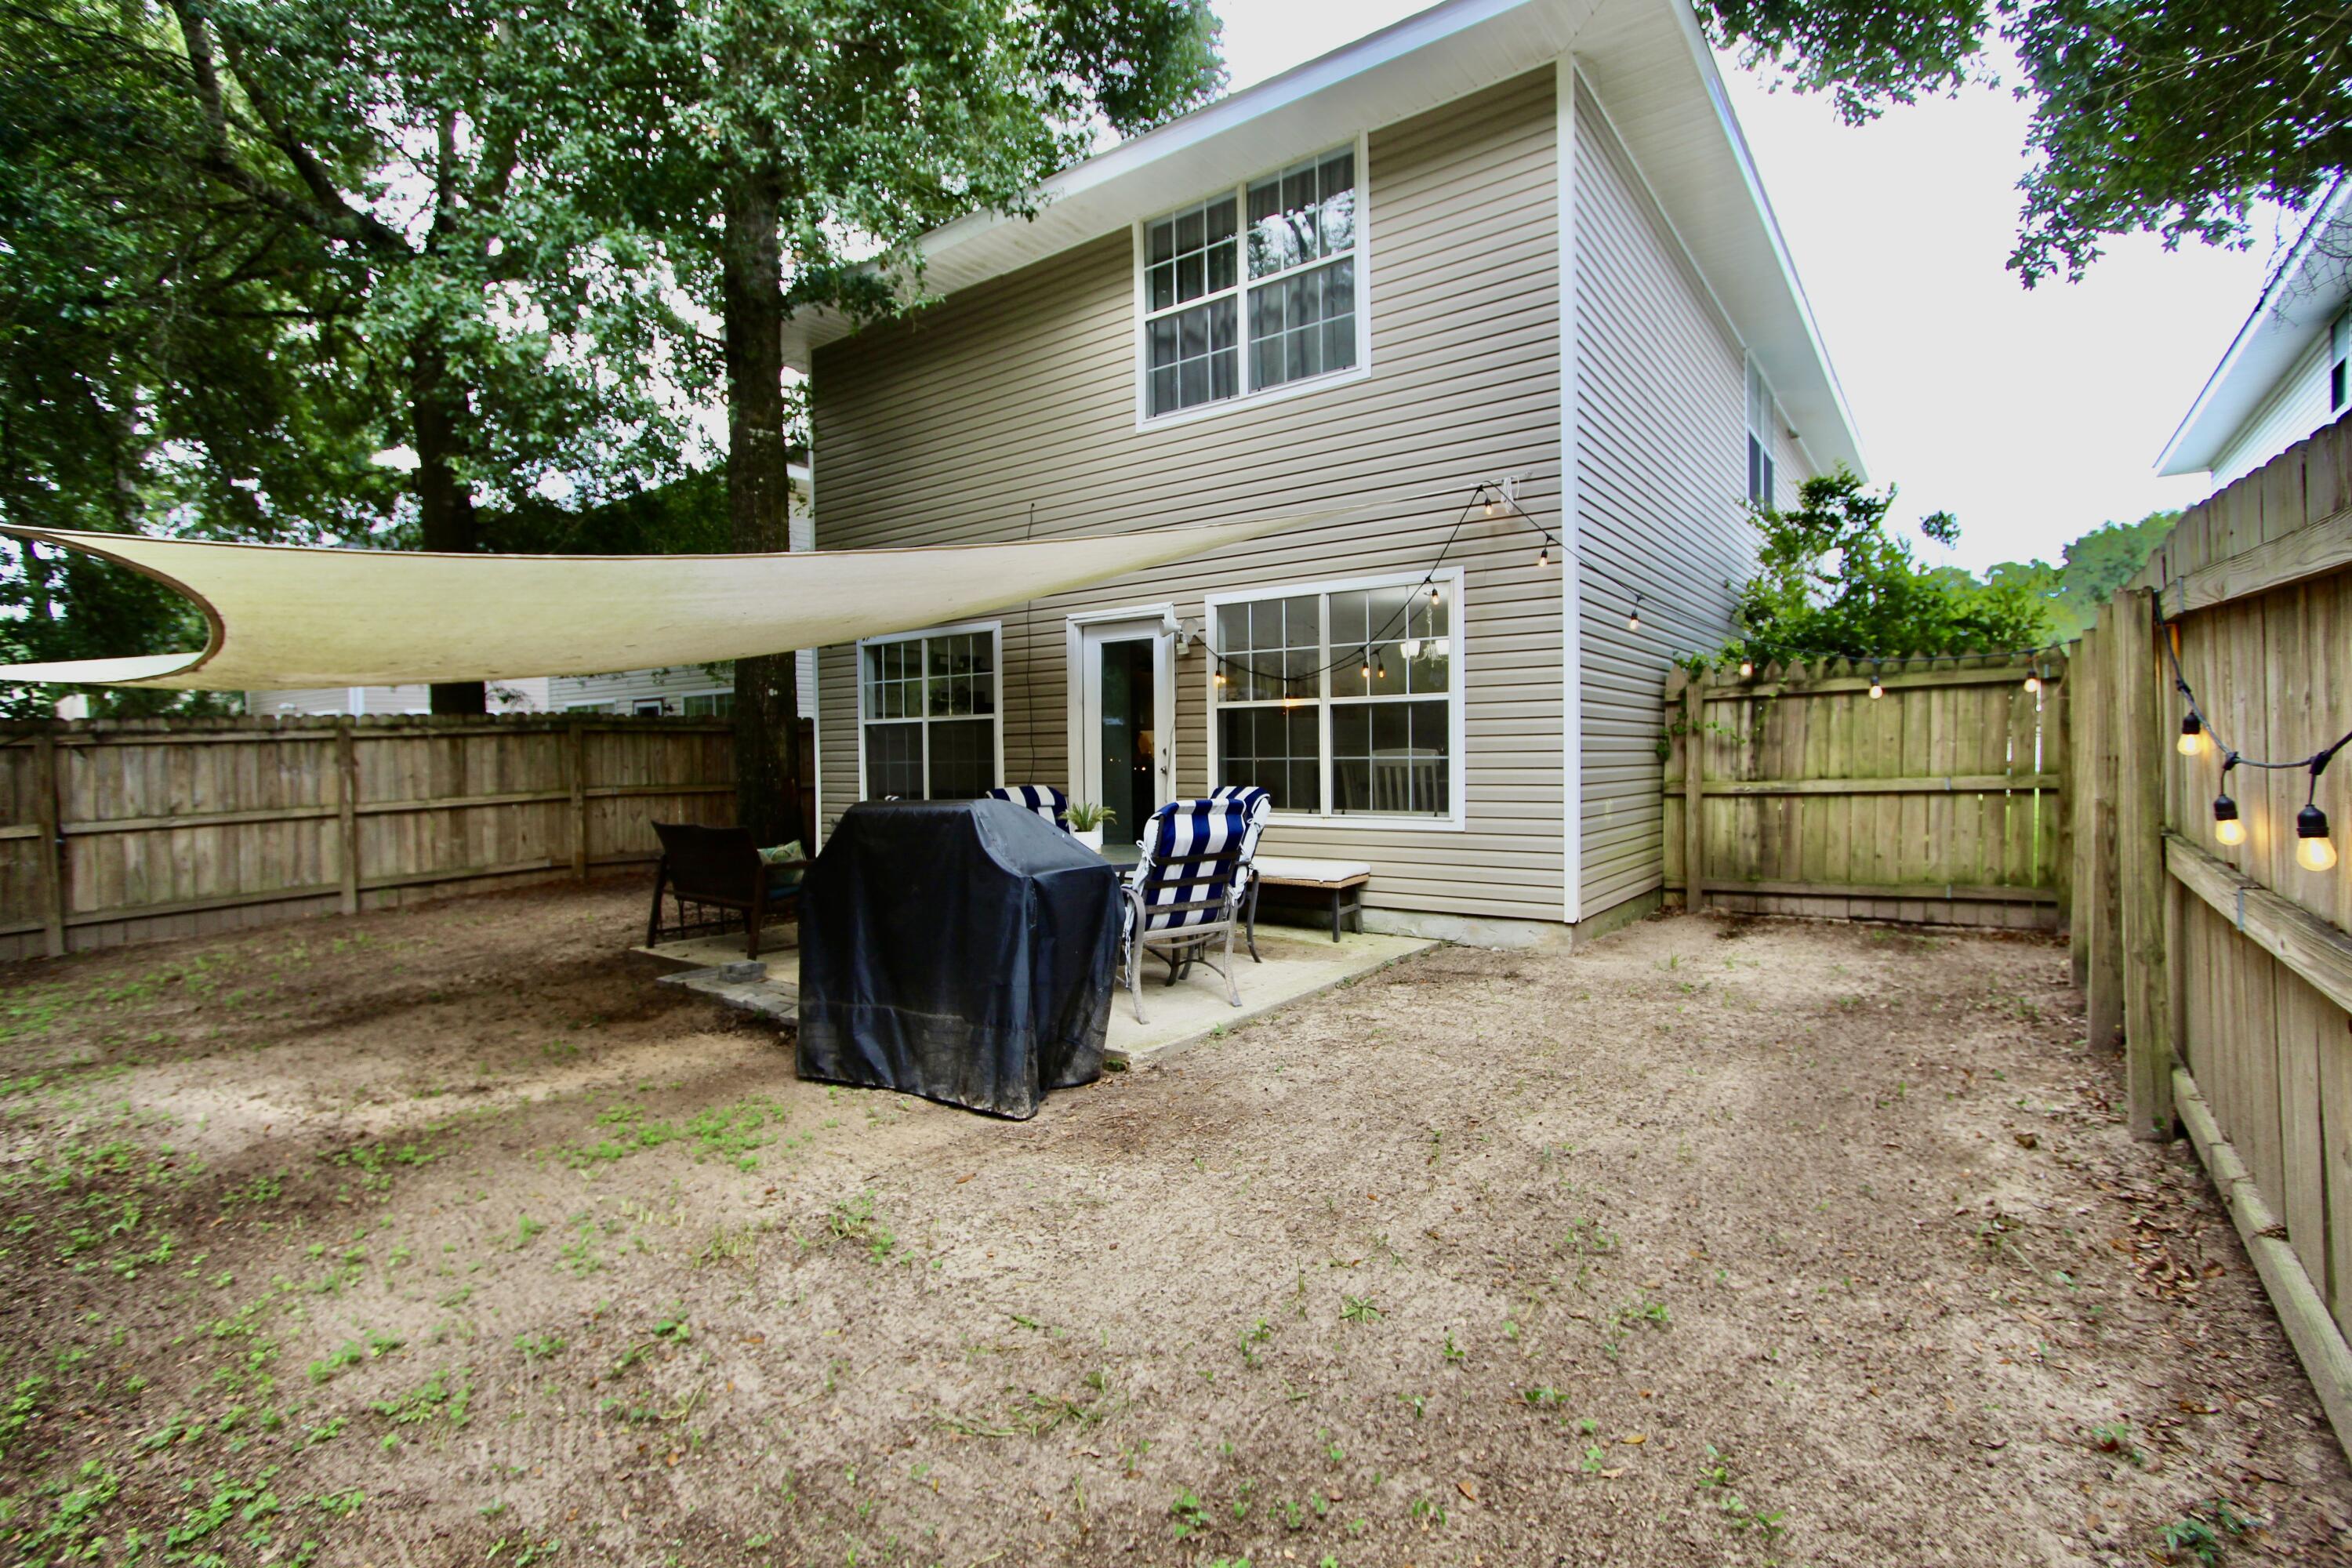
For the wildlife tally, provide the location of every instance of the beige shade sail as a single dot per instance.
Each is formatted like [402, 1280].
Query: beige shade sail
[284, 615]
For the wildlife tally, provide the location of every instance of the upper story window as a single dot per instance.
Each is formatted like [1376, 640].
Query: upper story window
[2339, 350]
[1254, 289]
[1759, 437]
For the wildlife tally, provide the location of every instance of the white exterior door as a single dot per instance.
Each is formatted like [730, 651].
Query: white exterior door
[1122, 723]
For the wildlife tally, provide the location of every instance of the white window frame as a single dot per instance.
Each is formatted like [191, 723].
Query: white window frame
[1453, 580]
[1247, 397]
[2339, 363]
[995, 630]
[1752, 384]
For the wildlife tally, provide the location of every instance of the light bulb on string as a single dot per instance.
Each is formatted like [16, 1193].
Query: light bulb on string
[2034, 681]
[1543, 553]
[1633, 615]
[2227, 827]
[1380, 667]
[2314, 850]
[1747, 667]
[2192, 736]
[1877, 686]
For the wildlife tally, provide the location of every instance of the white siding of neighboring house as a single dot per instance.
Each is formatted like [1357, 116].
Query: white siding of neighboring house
[505, 697]
[622, 692]
[2297, 407]
[1021, 393]
[1662, 437]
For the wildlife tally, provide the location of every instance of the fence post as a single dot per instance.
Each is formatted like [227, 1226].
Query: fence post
[2082, 784]
[48, 810]
[2140, 864]
[576, 750]
[1693, 789]
[347, 810]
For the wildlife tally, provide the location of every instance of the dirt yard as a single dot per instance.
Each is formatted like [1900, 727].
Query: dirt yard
[443, 1236]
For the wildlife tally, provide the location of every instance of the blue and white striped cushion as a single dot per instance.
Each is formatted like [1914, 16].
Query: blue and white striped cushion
[1179, 832]
[1256, 802]
[1044, 799]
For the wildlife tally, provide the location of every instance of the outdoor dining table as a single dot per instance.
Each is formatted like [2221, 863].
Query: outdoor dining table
[963, 951]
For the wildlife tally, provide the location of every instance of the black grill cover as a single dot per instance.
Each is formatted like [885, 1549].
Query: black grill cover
[959, 949]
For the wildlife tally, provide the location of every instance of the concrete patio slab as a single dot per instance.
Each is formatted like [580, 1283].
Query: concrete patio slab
[1297, 965]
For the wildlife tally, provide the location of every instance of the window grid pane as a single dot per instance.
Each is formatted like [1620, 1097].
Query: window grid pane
[1279, 749]
[1303, 324]
[1273, 648]
[1391, 757]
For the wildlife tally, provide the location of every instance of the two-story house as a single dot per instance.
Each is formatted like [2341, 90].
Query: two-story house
[1503, 238]
[2289, 370]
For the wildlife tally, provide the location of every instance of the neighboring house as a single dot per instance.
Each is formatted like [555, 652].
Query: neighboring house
[2285, 375]
[505, 696]
[1502, 237]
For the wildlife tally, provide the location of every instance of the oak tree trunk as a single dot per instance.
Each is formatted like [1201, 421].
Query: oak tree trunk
[444, 501]
[758, 500]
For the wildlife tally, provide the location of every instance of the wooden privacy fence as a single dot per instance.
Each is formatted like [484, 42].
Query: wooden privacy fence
[2228, 969]
[125, 831]
[1935, 801]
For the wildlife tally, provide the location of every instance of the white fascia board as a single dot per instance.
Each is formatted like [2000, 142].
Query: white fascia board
[1784, 334]
[2305, 293]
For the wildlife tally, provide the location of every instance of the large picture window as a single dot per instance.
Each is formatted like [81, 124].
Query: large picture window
[1255, 287]
[927, 706]
[1340, 701]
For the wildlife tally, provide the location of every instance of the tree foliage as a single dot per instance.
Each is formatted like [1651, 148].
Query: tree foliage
[2089, 571]
[2165, 116]
[1831, 581]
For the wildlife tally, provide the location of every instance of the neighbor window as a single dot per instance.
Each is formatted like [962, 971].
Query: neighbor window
[927, 706]
[1340, 702]
[710, 705]
[2339, 350]
[1759, 437]
[1253, 288]
[648, 708]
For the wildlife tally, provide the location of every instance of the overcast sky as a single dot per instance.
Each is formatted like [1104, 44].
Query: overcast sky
[2033, 415]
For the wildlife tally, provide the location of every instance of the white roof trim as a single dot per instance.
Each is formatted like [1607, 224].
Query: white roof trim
[2298, 302]
[1431, 58]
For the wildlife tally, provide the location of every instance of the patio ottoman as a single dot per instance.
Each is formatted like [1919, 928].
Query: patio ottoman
[962, 950]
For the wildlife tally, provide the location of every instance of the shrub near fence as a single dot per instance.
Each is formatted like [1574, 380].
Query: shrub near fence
[1937, 801]
[2229, 968]
[126, 831]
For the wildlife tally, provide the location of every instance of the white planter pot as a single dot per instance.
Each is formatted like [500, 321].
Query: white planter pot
[1091, 838]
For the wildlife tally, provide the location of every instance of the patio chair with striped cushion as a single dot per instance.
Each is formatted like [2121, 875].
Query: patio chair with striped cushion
[1044, 799]
[1259, 805]
[1185, 892]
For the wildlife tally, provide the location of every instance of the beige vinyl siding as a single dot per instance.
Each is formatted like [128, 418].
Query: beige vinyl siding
[1009, 411]
[1662, 480]
[2297, 407]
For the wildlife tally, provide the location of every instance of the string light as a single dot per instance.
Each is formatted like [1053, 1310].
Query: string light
[1747, 667]
[1877, 686]
[1543, 553]
[2033, 680]
[2227, 828]
[2314, 849]
[1633, 617]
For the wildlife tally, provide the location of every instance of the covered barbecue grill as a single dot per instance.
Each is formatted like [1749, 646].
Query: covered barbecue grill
[959, 949]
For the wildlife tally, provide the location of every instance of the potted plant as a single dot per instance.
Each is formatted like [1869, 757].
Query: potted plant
[1086, 819]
